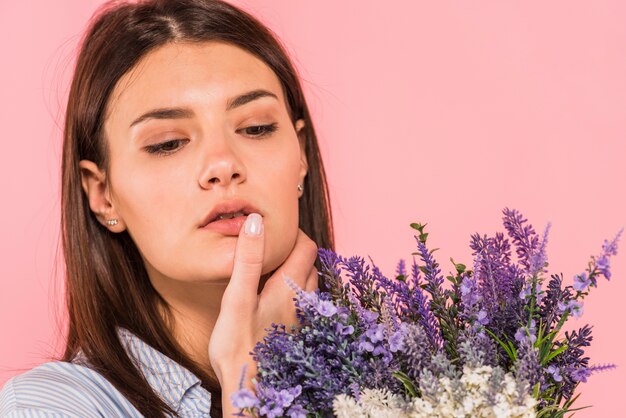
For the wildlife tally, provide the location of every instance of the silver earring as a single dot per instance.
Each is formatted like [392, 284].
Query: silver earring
[111, 222]
[300, 188]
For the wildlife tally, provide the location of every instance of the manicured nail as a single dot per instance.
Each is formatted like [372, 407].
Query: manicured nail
[254, 224]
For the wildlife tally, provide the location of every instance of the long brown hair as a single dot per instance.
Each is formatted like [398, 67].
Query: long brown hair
[107, 284]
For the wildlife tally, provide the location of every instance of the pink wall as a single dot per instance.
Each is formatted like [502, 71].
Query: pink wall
[439, 112]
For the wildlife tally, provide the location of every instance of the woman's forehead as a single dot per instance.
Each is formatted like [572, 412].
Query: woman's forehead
[184, 74]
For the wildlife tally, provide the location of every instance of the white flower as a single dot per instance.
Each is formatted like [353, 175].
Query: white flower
[468, 396]
[345, 406]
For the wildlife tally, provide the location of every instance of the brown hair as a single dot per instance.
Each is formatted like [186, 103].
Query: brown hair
[107, 284]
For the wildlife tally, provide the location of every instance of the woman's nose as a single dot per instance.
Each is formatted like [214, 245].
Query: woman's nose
[220, 164]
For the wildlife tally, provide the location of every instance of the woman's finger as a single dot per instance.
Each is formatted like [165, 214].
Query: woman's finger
[241, 292]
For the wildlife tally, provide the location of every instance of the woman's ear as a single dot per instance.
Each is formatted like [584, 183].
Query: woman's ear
[304, 165]
[94, 184]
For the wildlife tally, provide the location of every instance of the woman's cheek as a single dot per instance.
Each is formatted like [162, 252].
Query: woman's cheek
[146, 203]
[280, 238]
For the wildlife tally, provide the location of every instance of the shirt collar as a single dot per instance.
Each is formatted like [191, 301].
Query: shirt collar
[166, 377]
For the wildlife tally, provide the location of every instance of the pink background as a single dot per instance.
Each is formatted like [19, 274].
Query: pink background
[440, 112]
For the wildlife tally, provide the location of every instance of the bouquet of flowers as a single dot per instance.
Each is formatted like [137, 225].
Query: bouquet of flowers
[490, 342]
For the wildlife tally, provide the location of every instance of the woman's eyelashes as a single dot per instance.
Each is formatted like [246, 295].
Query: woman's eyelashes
[164, 148]
[172, 145]
[260, 130]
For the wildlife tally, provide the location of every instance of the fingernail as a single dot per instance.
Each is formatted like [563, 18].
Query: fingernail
[254, 224]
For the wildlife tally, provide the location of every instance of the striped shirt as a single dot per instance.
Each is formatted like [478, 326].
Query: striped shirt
[71, 389]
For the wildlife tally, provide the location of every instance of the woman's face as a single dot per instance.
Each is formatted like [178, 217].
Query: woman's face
[211, 151]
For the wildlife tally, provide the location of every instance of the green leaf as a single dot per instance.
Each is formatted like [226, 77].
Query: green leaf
[460, 268]
[508, 347]
[554, 354]
[536, 391]
[407, 382]
[418, 226]
[566, 406]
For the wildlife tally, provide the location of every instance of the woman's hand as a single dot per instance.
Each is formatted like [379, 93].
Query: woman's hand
[244, 314]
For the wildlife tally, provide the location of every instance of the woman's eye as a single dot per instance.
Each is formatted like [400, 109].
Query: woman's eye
[166, 147]
[260, 130]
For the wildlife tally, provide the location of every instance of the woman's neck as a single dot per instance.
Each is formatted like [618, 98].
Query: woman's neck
[195, 307]
[194, 310]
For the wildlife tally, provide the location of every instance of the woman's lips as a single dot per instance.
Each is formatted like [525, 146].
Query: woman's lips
[227, 226]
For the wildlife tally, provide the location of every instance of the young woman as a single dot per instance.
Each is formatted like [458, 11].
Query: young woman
[192, 184]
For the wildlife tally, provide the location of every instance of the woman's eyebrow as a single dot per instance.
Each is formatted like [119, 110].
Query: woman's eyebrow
[184, 113]
[165, 113]
[242, 99]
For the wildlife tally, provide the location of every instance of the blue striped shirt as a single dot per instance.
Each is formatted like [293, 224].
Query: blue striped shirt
[72, 389]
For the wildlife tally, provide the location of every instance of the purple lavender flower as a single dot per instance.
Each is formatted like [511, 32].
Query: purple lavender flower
[574, 306]
[297, 411]
[287, 396]
[524, 236]
[418, 307]
[417, 352]
[396, 341]
[527, 291]
[433, 286]
[362, 330]
[572, 362]
[325, 357]
[369, 317]
[609, 248]
[555, 293]
[527, 366]
[492, 270]
[372, 341]
[469, 293]
[244, 398]
[603, 264]
[326, 308]
[476, 349]
[482, 318]
[271, 411]
[525, 333]
[375, 333]
[361, 281]
[431, 269]
[401, 268]
[581, 282]
[539, 259]
[330, 274]
[555, 372]
[601, 367]
[580, 374]
[499, 284]
[276, 401]
[342, 329]
[470, 301]
[354, 391]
